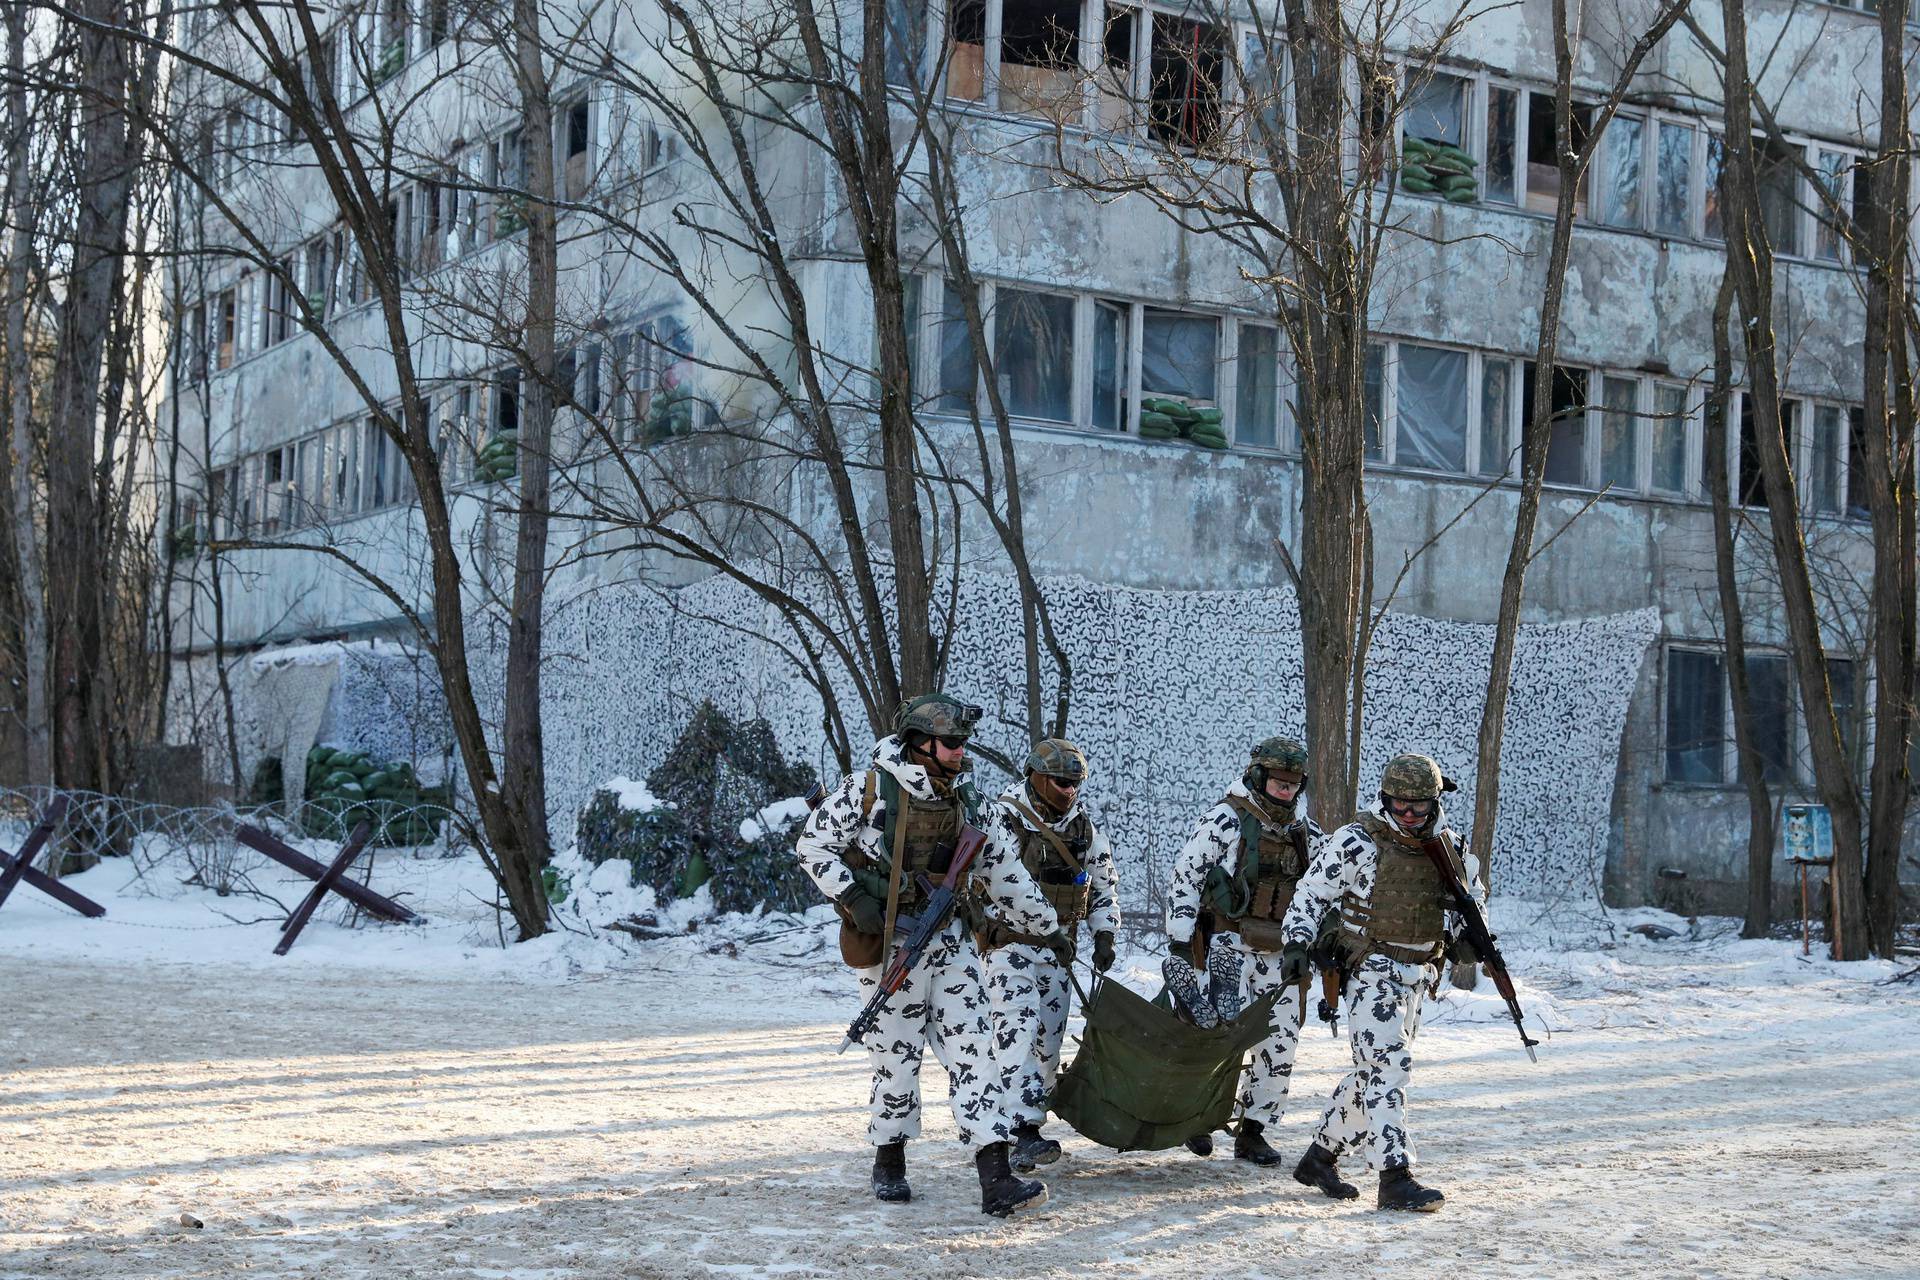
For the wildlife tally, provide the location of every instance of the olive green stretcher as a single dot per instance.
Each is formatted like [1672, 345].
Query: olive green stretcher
[1144, 1079]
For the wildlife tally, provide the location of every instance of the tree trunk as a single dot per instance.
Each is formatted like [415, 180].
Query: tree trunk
[523, 760]
[1733, 624]
[103, 178]
[23, 200]
[1536, 434]
[1750, 264]
[1889, 419]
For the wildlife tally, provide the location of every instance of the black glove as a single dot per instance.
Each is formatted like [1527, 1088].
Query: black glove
[1060, 942]
[1103, 954]
[1462, 951]
[1293, 962]
[868, 913]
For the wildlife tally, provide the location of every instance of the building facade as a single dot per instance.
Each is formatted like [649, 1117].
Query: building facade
[1095, 306]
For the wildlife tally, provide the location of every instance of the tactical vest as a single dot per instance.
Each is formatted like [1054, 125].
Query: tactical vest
[1057, 862]
[918, 836]
[1270, 871]
[1405, 918]
[922, 839]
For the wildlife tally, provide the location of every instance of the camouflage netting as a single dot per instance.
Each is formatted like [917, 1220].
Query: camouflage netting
[1171, 688]
[717, 777]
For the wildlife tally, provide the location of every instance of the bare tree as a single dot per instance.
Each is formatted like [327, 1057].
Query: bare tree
[1889, 414]
[23, 197]
[1750, 267]
[272, 62]
[1573, 157]
[1733, 627]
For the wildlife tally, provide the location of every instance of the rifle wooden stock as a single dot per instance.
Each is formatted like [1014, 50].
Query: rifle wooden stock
[942, 900]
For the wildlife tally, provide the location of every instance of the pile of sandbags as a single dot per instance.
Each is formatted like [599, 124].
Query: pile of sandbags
[1438, 168]
[498, 459]
[344, 787]
[670, 414]
[1165, 418]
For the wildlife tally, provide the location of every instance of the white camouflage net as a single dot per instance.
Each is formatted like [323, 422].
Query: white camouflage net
[1170, 689]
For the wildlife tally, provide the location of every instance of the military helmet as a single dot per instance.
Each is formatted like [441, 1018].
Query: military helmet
[1411, 777]
[1280, 753]
[1057, 758]
[937, 715]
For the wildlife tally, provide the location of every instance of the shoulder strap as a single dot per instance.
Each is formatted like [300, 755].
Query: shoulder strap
[1246, 870]
[890, 792]
[1298, 834]
[1047, 833]
[866, 798]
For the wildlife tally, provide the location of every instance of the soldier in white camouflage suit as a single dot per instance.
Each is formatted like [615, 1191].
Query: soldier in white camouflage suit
[862, 847]
[1042, 823]
[1235, 878]
[1395, 924]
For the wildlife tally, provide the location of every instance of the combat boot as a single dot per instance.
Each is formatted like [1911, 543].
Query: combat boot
[1002, 1194]
[890, 1173]
[1030, 1148]
[1223, 980]
[1201, 1144]
[1250, 1143]
[1398, 1190]
[1318, 1169]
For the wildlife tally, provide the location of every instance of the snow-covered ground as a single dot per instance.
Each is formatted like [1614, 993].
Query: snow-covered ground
[420, 1102]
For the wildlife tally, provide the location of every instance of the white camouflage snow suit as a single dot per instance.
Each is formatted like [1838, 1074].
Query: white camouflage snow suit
[944, 1002]
[1381, 1001]
[1027, 984]
[1216, 843]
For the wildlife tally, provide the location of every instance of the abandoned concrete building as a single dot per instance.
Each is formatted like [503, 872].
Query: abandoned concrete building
[1096, 305]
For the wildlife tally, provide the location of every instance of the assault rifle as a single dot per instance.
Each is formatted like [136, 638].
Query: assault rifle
[1474, 925]
[920, 931]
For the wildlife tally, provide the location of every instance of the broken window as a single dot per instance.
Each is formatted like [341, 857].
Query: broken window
[1713, 219]
[226, 328]
[959, 369]
[1567, 432]
[1111, 325]
[1840, 204]
[906, 40]
[574, 138]
[1185, 63]
[1257, 387]
[1433, 155]
[1843, 689]
[1858, 505]
[1776, 175]
[1373, 394]
[1039, 57]
[1503, 115]
[1179, 356]
[1114, 86]
[967, 50]
[1669, 430]
[1430, 401]
[1263, 88]
[1828, 444]
[1621, 147]
[1543, 169]
[1620, 433]
[1752, 480]
[1770, 715]
[1673, 180]
[1033, 353]
[1696, 717]
[1496, 417]
[1379, 93]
